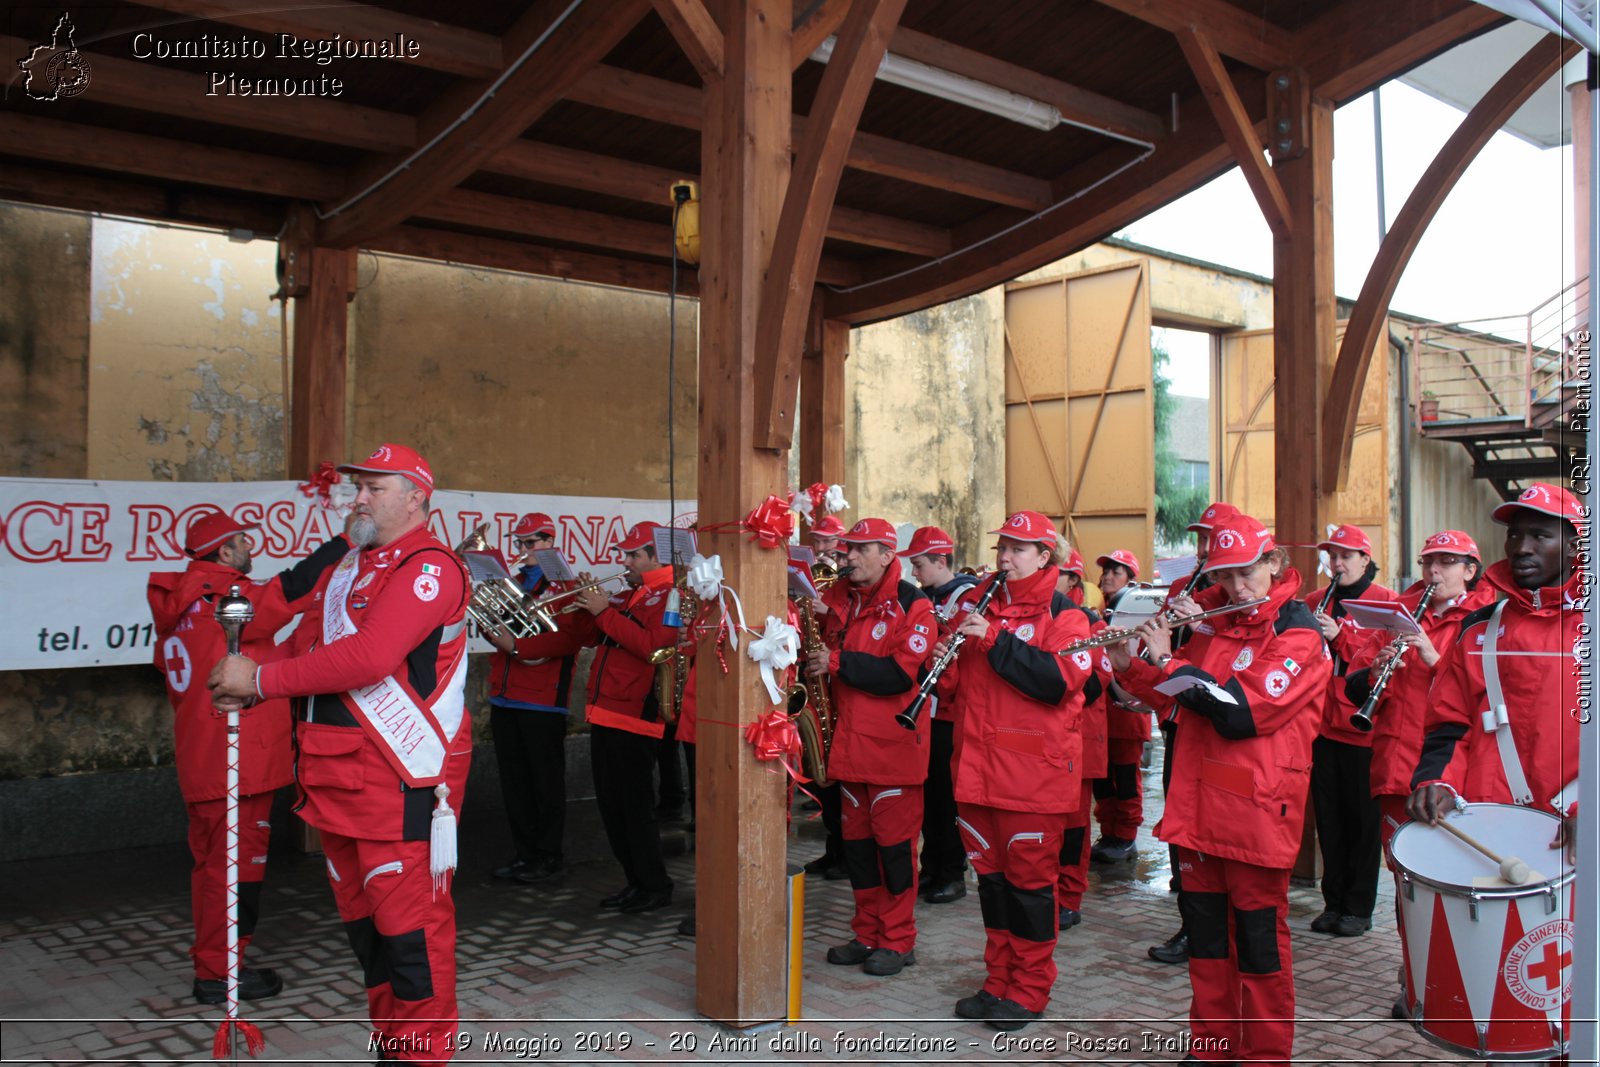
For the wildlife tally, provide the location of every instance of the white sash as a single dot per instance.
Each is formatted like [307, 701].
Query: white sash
[1496, 720]
[414, 737]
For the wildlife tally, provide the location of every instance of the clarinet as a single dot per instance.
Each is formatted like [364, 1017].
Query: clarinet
[1362, 718]
[952, 648]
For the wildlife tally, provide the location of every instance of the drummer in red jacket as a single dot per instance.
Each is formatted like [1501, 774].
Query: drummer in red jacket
[1502, 727]
[188, 642]
[878, 630]
[1018, 764]
[1238, 796]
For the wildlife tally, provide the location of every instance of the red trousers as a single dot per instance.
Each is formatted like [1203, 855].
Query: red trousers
[879, 825]
[1240, 967]
[1017, 855]
[1074, 878]
[208, 892]
[1119, 796]
[404, 935]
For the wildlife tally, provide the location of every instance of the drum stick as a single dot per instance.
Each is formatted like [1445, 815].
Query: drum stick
[1512, 869]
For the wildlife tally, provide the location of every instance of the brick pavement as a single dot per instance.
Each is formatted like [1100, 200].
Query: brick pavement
[93, 968]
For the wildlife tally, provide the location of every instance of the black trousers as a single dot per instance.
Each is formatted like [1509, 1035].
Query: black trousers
[624, 791]
[530, 748]
[833, 821]
[670, 767]
[1347, 826]
[944, 857]
[1169, 739]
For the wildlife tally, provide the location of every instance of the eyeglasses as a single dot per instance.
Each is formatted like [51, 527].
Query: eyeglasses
[1441, 559]
[530, 542]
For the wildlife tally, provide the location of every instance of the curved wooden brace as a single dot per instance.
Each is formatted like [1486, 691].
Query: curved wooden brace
[1366, 320]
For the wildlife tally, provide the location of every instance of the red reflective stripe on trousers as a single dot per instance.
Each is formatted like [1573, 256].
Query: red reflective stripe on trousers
[1025, 848]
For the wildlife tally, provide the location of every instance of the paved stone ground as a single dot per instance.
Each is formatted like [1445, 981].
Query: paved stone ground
[93, 967]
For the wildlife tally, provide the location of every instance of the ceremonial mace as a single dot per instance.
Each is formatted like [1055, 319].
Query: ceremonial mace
[233, 613]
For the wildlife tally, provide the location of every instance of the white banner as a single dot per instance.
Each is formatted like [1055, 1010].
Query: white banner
[75, 555]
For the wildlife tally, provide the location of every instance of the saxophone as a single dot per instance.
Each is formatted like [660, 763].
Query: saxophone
[810, 705]
[673, 662]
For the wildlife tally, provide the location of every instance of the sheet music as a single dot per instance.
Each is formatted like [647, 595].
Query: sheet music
[485, 566]
[800, 582]
[669, 540]
[554, 565]
[1381, 615]
[1169, 571]
[1184, 682]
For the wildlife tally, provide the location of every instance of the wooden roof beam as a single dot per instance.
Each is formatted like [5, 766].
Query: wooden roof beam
[470, 250]
[786, 290]
[1365, 326]
[678, 105]
[439, 47]
[1363, 43]
[1077, 106]
[466, 127]
[1236, 33]
[1237, 129]
[696, 32]
[820, 20]
[116, 196]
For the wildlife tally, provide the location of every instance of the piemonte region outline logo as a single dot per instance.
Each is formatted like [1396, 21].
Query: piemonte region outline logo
[57, 70]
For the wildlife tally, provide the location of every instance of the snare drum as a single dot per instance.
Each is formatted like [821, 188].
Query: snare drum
[1488, 965]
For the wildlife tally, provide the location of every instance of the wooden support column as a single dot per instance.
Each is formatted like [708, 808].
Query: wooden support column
[822, 400]
[1303, 321]
[741, 971]
[321, 282]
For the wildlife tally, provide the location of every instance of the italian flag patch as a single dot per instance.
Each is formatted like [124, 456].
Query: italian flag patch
[428, 568]
[1291, 666]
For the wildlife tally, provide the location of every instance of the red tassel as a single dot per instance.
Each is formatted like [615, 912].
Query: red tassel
[255, 1044]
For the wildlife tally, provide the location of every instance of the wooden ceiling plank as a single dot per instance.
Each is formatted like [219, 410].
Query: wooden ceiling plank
[815, 25]
[472, 250]
[1237, 33]
[392, 189]
[1371, 309]
[696, 32]
[1363, 43]
[1237, 129]
[1077, 105]
[451, 49]
[146, 87]
[113, 196]
[786, 291]
[159, 157]
[679, 105]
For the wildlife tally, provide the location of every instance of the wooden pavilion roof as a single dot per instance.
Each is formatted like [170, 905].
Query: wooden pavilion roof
[564, 168]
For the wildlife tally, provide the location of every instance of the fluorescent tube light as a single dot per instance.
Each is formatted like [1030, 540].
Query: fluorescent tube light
[958, 89]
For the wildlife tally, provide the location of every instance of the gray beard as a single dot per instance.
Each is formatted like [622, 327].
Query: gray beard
[360, 530]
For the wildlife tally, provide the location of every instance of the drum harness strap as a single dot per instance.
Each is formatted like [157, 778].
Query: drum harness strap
[1496, 720]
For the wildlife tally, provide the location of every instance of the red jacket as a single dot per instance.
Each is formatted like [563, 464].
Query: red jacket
[540, 669]
[1397, 719]
[1349, 644]
[1241, 770]
[408, 604]
[622, 678]
[879, 640]
[189, 642]
[1541, 695]
[1018, 745]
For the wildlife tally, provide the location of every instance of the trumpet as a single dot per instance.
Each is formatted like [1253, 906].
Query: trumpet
[1361, 718]
[1117, 634]
[575, 590]
[501, 602]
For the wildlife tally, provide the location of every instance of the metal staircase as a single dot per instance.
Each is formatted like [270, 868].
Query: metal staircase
[1506, 389]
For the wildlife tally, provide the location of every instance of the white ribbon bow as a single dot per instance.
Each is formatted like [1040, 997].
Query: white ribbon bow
[775, 650]
[835, 500]
[705, 580]
[802, 504]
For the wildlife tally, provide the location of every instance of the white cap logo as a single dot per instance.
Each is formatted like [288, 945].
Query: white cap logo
[1228, 539]
[1018, 520]
[860, 527]
[381, 454]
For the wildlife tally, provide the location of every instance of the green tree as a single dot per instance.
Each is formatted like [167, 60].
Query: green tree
[1176, 505]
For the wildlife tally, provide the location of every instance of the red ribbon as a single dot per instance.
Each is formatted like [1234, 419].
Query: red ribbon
[322, 483]
[254, 1043]
[772, 523]
[818, 494]
[774, 736]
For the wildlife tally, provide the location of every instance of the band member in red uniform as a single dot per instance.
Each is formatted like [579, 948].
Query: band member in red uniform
[383, 744]
[530, 681]
[944, 859]
[1118, 792]
[1070, 581]
[1524, 749]
[1018, 764]
[187, 640]
[878, 630]
[625, 724]
[1093, 727]
[825, 538]
[1118, 570]
[1341, 782]
[1239, 783]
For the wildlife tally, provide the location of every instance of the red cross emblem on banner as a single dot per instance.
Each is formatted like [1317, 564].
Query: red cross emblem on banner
[1549, 969]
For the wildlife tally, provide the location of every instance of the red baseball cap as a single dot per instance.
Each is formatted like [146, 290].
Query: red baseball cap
[1546, 499]
[1029, 526]
[1075, 563]
[1347, 538]
[638, 535]
[534, 522]
[1122, 556]
[872, 531]
[210, 530]
[395, 459]
[1214, 515]
[827, 526]
[928, 539]
[1238, 542]
[1454, 542]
